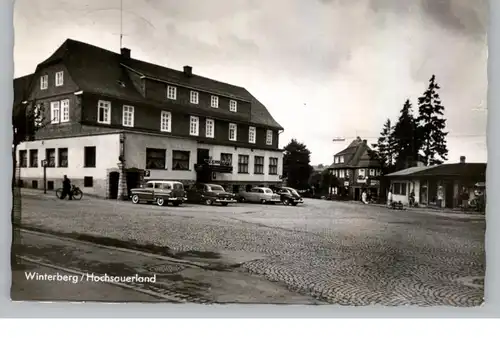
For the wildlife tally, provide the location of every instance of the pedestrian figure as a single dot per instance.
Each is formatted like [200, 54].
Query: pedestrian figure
[412, 198]
[66, 188]
[464, 198]
[364, 197]
[389, 198]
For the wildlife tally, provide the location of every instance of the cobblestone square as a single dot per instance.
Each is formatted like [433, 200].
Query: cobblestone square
[340, 253]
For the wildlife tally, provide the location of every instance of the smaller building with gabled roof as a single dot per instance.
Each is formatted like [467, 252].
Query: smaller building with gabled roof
[357, 168]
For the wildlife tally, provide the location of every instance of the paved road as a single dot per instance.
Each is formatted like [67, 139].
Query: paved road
[338, 252]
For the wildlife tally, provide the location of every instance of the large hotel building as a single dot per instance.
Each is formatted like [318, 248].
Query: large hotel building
[114, 121]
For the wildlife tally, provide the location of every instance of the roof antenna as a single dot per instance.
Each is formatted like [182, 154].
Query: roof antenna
[121, 24]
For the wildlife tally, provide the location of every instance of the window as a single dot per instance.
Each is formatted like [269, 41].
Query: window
[361, 174]
[269, 137]
[336, 159]
[214, 101]
[194, 97]
[180, 160]
[44, 82]
[258, 167]
[38, 116]
[89, 157]
[54, 112]
[243, 164]
[171, 92]
[50, 155]
[226, 158]
[59, 79]
[372, 172]
[273, 165]
[399, 189]
[64, 110]
[166, 121]
[23, 158]
[251, 134]
[88, 181]
[104, 112]
[209, 128]
[342, 159]
[194, 126]
[128, 116]
[156, 158]
[341, 173]
[233, 105]
[63, 158]
[232, 132]
[34, 158]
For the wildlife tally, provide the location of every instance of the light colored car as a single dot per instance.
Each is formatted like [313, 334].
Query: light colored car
[259, 195]
[160, 192]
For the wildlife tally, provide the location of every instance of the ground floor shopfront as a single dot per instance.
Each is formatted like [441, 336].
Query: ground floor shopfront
[112, 164]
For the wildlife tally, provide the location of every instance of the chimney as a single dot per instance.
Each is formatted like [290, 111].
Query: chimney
[188, 70]
[462, 159]
[125, 53]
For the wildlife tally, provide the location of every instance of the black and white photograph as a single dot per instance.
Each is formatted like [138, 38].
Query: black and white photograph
[292, 152]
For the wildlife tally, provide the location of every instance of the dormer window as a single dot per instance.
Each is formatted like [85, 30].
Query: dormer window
[233, 105]
[214, 101]
[341, 159]
[44, 82]
[59, 79]
[171, 92]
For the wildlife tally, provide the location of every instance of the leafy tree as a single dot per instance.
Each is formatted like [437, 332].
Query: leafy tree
[296, 167]
[431, 125]
[384, 148]
[405, 138]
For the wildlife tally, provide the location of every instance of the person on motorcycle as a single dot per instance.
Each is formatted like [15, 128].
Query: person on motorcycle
[66, 188]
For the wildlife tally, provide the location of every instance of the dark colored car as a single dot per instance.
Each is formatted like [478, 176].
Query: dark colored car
[289, 196]
[160, 192]
[209, 194]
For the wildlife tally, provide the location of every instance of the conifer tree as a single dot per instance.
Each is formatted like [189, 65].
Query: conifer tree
[431, 125]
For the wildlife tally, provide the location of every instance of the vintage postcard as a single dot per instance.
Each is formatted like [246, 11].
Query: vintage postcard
[250, 151]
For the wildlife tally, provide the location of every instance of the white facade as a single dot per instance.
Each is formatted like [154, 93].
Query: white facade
[135, 157]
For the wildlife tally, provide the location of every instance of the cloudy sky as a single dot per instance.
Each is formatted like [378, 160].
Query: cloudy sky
[323, 68]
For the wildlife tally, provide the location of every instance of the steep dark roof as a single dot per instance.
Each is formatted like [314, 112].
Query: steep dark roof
[98, 70]
[357, 154]
[21, 88]
[476, 170]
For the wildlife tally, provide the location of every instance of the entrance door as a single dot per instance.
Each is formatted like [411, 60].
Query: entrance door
[448, 190]
[133, 180]
[113, 184]
[203, 175]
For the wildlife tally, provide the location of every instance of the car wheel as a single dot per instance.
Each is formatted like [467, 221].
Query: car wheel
[160, 201]
[286, 202]
[209, 202]
[135, 199]
[262, 201]
[242, 199]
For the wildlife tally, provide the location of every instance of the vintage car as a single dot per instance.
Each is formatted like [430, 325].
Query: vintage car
[259, 195]
[160, 192]
[289, 196]
[209, 194]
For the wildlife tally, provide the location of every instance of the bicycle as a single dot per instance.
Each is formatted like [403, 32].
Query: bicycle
[75, 191]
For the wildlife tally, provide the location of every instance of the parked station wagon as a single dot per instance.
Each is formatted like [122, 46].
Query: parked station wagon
[259, 195]
[209, 194]
[160, 192]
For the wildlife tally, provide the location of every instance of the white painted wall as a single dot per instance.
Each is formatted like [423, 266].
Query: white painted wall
[216, 150]
[107, 153]
[135, 157]
[135, 154]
